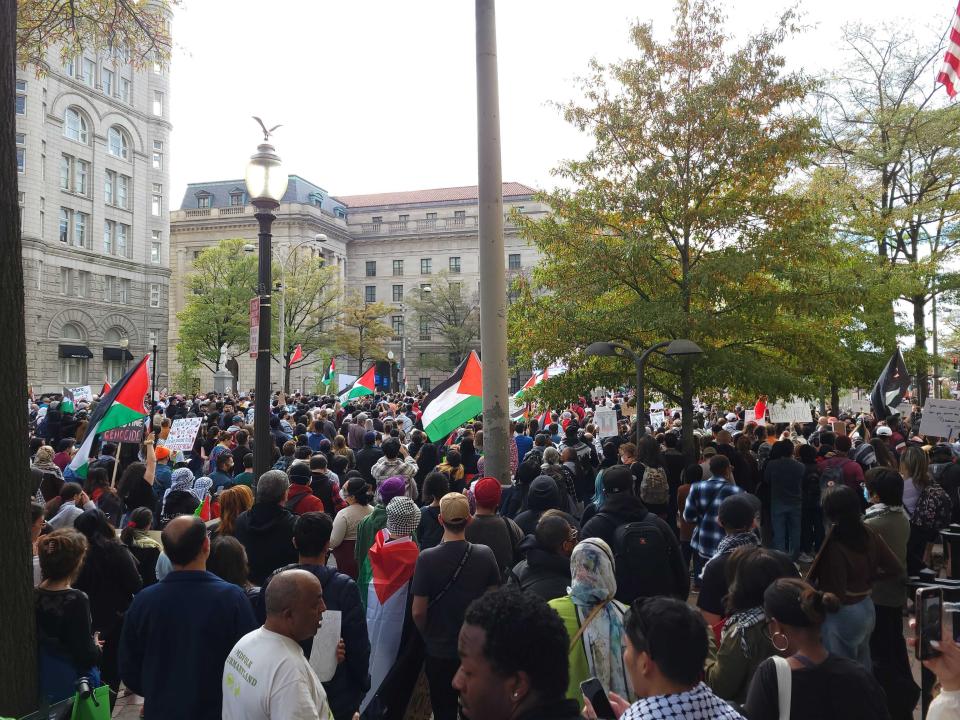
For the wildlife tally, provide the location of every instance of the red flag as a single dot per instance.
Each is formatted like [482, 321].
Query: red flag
[949, 75]
[297, 355]
[106, 388]
[760, 409]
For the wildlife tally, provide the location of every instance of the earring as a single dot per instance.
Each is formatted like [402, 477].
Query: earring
[516, 695]
[786, 641]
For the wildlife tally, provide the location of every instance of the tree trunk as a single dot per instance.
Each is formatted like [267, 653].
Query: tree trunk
[920, 342]
[286, 376]
[834, 399]
[18, 644]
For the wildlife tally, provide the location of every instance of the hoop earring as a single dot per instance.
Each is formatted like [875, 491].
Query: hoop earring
[786, 642]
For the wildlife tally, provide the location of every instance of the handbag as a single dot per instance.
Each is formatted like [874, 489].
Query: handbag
[784, 686]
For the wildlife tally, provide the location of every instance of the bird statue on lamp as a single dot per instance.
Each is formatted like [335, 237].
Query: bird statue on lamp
[266, 133]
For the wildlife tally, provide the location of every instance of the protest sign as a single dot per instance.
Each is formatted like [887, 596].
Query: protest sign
[132, 433]
[323, 657]
[793, 410]
[656, 419]
[749, 416]
[656, 406]
[941, 418]
[183, 433]
[606, 421]
[82, 394]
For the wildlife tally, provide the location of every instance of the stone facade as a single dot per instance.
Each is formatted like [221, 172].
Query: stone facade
[93, 152]
[427, 231]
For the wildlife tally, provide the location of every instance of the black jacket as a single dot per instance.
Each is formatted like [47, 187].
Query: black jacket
[543, 573]
[557, 710]
[346, 689]
[622, 508]
[366, 459]
[110, 578]
[266, 532]
[543, 495]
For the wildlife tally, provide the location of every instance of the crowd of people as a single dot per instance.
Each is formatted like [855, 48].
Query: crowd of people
[375, 573]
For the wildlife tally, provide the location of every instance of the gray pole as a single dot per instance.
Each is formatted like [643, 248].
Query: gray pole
[493, 285]
[262, 441]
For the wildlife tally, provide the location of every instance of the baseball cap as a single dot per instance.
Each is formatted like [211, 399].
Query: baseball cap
[162, 453]
[883, 431]
[487, 492]
[454, 508]
[617, 479]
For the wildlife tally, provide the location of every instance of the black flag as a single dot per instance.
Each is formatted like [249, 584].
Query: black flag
[891, 387]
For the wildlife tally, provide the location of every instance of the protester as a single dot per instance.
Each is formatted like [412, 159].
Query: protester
[266, 529]
[946, 665]
[927, 503]
[300, 497]
[136, 484]
[180, 498]
[97, 487]
[145, 550]
[703, 506]
[343, 541]
[430, 531]
[228, 561]
[246, 477]
[368, 456]
[189, 608]
[266, 674]
[823, 685]
[452, 467]
[784, 475]
[500, 534]
[234, 501]
[396, 463]
[447, 578]
[513, 661]
[73, 502]
[811, 516]
[36, 527]
[593, 620]
[543, 495]
[325, 485]
[52, 475]
[545, 571]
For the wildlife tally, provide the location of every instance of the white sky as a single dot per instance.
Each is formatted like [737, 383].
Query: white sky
[379, 95]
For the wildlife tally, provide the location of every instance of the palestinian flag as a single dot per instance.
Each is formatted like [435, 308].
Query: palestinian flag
[297, 355]
[386, 592]
[454, 401]
[330, 372]
[544, 420]
[539, 377]
[106, 388]
[891, 387]
[121, 406]
[66, 403]
[363, 386]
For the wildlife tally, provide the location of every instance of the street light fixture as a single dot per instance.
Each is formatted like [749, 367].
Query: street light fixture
[266, 182]
[671, 348]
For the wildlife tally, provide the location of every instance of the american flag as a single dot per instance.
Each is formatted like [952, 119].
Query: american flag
[950, 72]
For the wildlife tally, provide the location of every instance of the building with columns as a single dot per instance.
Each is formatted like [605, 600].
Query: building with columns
[92, 153]
[385, 245]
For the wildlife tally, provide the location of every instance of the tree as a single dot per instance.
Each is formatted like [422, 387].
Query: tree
[361, 331]
[311, 296]
[682, 222]
[450, 313]
[26, 35]
[215, 318]
[893, 161]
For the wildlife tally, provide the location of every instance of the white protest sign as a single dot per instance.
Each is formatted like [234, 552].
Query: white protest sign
[323, 655]
[656, 406]
[183, 432]
[749, 416]
[606, 421]
[794, 410]
[941, 418]
[82, 393]
[656, 418]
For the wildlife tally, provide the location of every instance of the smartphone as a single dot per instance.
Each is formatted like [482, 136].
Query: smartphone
[593, 690]
[929, 609]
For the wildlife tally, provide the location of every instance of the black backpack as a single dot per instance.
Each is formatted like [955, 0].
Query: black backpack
[832, 476]
[642, 558]
[585, 477]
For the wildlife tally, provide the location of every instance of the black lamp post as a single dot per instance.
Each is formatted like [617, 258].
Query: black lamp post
[674, 348]
[266, 182]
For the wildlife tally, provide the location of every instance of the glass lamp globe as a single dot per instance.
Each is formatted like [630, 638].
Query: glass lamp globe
[266, 179]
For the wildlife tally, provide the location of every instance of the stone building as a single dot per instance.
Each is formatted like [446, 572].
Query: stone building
[386, 245]
[92, 151]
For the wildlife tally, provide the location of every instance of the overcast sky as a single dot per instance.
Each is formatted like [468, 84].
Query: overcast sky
[379, 95]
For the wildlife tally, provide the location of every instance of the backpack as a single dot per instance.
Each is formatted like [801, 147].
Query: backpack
[642, 558]
[832, 475]
[654, 488]
[934, 508]
[585, 475]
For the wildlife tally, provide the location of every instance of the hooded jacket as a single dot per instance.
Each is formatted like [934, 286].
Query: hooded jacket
[266, 531]
[300, 500]
[893, 525]
[544, 573]
[543, 495]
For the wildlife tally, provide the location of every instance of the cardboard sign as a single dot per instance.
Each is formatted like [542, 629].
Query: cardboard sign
[941, 418]
[749, 416]
[657, 418]
[183, 433]
[132, 433]
[323, 656]
[82, 393]
[840, 427]
[606, 421]
[794, 410]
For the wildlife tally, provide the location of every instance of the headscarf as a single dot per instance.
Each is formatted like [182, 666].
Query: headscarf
[180, 480]
[201, 486]
[592, 589]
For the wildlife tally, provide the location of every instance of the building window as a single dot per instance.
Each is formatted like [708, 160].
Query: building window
[426, 266]
[340, 213]
[431, 219]
[455, 264]
[370, 293]
[108, 232]
[109, 180]
[154, 295]
[81, 171]
[21, 152]
[65, 170]
[83, 284]
[157, 103]
[236, 199]
[398, 268]
[316, 199]
[107, 82]
[425, 384]
[396, 321]
[21, 100]
[74, 175]
[122, 231]
[87, 71]
[115, 368]
[124, 287]
[125, 89]
[64, 224]
[424, 328]
[377, 220]
[202, 202]
[66, 281]
[152, 338]
[155, 246]
[371, 266]
[117, 143]
[109, 288]
[156, 200]
[513, 261]
[397, 293]
[459, 217]
[75, 125]
[80, 238]
[402, 224]
[73, 371]
[121, 194]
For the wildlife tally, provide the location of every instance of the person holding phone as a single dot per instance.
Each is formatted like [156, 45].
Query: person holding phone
[946, 666]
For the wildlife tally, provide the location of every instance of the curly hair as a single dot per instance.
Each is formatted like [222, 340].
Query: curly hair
[233, 501]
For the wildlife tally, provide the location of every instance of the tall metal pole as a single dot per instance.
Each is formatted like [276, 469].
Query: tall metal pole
[936, 345]
[153, 385]
[262, 442]
[493, 286]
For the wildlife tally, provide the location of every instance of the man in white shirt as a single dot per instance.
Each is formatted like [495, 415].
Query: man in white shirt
[266, 676]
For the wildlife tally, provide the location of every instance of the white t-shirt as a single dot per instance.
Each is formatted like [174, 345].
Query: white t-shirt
[267, 677]
[945, 706]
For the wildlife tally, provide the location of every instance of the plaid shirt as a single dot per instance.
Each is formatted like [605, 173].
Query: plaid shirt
[698, 703]
[703, 506]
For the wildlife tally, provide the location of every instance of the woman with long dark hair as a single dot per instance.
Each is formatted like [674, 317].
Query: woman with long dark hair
[136, 483]
[427, 460]
[145, 550]
[885, 458]
[852, 558]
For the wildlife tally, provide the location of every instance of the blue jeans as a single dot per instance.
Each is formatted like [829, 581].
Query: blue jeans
[847, 632]
[786, 529]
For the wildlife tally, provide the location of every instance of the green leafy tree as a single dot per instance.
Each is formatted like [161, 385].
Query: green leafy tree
[361, 332]
[215, 319]
[452, 314]
[311, 305]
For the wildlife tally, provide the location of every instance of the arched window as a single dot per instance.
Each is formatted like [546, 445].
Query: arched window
[72, 331]
[118, 144]
[73, 370]
[115, 362]
[75, 125]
